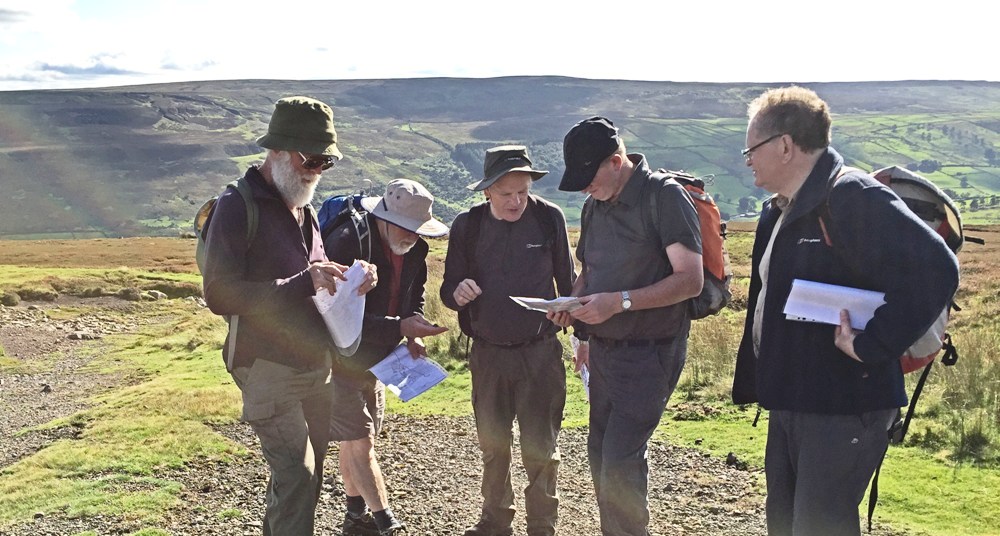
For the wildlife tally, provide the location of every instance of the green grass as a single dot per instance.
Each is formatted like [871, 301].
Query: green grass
[176, 389]
[133, 435]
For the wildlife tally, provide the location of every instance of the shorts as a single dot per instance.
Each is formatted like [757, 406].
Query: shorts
[358, 407]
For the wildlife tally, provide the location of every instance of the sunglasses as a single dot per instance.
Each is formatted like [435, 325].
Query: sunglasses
[317, 161]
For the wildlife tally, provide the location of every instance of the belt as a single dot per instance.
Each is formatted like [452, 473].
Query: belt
[631, 343]
[521, 344]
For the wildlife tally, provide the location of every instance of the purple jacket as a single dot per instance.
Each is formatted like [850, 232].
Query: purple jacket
[267, 284]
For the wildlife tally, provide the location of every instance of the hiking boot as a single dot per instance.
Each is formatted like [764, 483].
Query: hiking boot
[486, 527]
[363, 525]
[395, 528]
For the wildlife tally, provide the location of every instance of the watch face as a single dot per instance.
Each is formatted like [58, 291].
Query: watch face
[626, 304]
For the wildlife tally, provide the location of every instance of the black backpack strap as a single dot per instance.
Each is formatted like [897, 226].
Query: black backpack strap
[243, 187]
[873, 494]
[362, 230]
[476, 215]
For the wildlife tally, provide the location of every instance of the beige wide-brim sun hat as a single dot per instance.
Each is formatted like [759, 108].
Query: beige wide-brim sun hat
[406, 203]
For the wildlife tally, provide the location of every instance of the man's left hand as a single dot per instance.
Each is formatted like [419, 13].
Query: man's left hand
[371, 278]
[416, 347]
[843, 336]
[560, 318]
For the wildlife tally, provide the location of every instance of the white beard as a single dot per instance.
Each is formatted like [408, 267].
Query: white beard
[291, 183]
[401, 249]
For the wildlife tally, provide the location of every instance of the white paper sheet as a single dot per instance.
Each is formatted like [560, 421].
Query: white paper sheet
[810, 301]
[407, 377]
[564, 303]
[344, 311]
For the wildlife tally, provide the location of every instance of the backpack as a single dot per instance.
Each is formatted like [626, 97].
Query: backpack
[938, 212]
[201, 221]
[715, 291]
[476, 214]
[347, 207]
[201, 218]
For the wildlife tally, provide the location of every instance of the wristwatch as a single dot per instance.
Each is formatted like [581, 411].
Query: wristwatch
[626, 301]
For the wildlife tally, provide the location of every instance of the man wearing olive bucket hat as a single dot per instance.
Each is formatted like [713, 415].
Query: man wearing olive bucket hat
[278, 349]
[393, 312]
[514, 244]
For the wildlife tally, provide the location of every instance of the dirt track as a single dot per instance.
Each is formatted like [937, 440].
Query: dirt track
[432, 464]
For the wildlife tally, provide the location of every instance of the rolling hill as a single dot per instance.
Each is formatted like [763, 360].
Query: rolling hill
[139, 160]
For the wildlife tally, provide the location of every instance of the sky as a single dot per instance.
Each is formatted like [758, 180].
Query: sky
[55, 44]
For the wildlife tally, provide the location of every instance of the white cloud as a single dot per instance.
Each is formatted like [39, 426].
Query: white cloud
[110, 42]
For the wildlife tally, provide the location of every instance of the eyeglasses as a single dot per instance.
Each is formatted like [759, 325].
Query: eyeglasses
[317, 161]
[748, 152]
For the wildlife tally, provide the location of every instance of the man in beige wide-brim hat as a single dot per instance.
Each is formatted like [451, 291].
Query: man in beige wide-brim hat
[514, 244]
[261, 273]
[395, 222]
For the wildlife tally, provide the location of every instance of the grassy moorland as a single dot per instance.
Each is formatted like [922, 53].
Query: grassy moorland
[139, 161]
[941, 483]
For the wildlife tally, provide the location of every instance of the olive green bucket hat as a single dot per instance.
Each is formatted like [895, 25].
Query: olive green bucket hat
[502, 160]
[301, 124]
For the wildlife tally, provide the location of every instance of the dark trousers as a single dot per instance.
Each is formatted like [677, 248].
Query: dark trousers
[629, 388]
[528, 383]
[818, 467]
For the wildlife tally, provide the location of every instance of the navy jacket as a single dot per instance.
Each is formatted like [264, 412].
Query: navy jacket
[380, 333]
[877, 244]
[267, 285]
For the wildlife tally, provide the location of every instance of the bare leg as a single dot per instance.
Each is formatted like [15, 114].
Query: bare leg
[362, 474]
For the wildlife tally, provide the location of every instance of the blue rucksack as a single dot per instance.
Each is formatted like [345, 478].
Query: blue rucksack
[342, 208]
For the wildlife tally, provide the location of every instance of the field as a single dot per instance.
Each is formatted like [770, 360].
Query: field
[942, 482]
[139, 161]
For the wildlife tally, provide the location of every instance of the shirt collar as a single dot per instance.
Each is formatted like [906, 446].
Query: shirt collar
[631, 193]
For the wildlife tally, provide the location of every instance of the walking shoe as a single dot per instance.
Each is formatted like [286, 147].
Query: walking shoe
[485, 527]
[363, 525]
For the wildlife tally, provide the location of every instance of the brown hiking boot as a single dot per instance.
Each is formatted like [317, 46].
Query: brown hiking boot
[486, 527]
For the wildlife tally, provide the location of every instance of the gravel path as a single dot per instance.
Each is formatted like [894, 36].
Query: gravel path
[432, 465]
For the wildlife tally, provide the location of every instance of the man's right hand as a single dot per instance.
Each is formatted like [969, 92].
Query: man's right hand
[416, 326]
[465, 292]
[326, 274]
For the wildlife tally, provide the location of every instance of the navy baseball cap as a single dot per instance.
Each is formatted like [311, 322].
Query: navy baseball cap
[585, 146]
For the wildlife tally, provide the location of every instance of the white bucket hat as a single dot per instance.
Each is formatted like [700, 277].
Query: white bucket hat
[406, 203]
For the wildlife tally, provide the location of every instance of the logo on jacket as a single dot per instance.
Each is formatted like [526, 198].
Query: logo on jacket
[809, 241]
[534, 246]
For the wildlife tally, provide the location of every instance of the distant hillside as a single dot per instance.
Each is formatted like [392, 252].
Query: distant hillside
[139, 160]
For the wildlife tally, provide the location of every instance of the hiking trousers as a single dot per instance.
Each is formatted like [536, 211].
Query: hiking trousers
[629, 388]
[529, 383]
[818, 467]
[289, 410]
